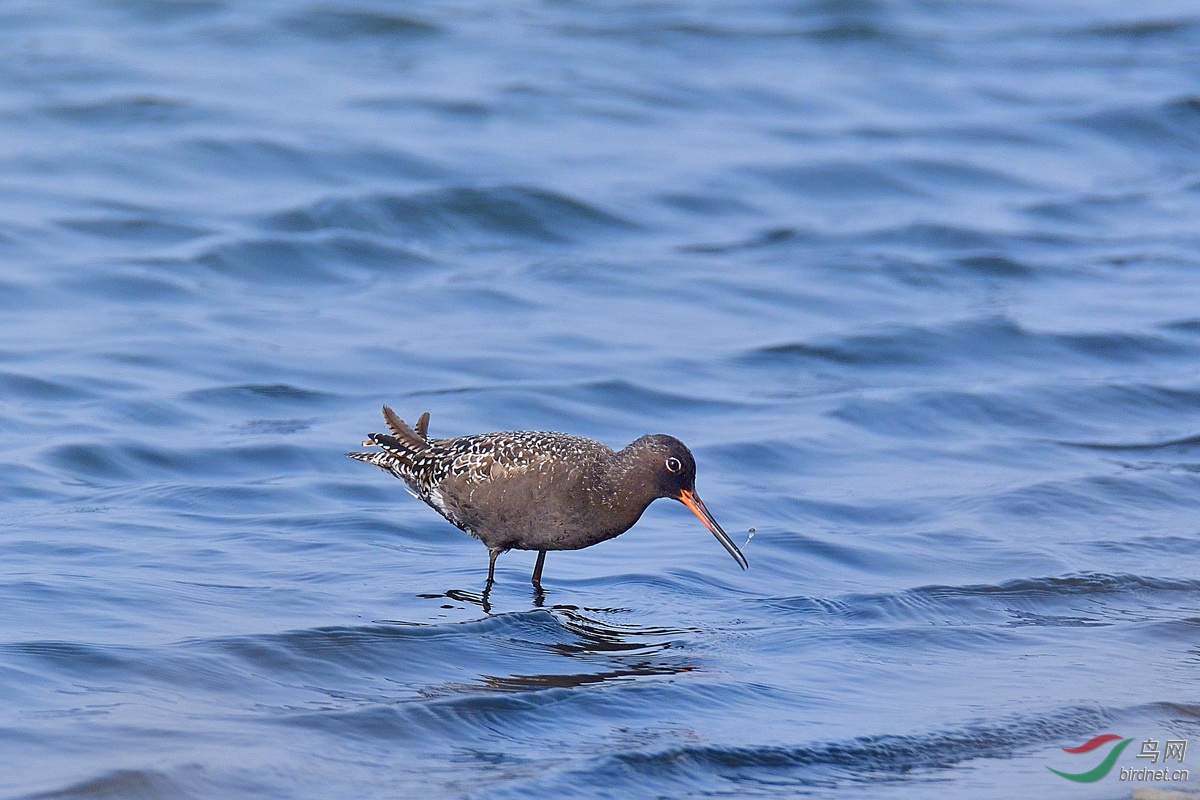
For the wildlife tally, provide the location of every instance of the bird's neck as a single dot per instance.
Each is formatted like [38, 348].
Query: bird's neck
[630, 478]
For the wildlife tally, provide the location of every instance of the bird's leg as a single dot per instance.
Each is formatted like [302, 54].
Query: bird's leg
[537, 568]
[492, 566]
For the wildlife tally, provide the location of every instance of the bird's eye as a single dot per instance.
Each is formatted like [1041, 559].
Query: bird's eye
[673, 464]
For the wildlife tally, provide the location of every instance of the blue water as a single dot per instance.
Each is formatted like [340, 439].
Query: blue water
[918, 283]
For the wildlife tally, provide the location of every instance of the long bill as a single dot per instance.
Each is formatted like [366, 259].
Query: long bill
[692, 500]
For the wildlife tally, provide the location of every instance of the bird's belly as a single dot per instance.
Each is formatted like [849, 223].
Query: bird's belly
[511, 520]
[541, 532]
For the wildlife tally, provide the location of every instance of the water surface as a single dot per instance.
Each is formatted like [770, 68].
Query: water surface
[916, 281]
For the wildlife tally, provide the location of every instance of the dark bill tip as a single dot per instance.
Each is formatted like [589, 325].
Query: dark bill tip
[692, 500]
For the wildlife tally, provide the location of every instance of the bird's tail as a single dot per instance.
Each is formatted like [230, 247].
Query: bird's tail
[398, 449]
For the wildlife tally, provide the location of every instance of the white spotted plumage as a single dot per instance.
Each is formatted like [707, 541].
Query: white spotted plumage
[424, 463]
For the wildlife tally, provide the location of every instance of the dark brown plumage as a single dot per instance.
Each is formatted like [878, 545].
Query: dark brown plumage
[537, 490]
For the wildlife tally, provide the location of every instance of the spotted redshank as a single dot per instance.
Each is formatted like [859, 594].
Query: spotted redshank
[536, 490]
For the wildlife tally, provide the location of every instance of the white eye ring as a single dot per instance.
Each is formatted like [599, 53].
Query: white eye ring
[673, 464]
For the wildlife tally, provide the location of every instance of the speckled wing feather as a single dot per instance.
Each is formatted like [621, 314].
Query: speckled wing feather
[467, 462]
[469, 479]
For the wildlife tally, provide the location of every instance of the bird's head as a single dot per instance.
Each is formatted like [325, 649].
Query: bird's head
[673, 470]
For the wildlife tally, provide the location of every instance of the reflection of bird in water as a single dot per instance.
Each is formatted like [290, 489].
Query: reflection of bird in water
[536, 490]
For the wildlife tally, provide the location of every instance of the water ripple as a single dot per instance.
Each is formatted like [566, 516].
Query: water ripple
[915, 282]
[505, 212]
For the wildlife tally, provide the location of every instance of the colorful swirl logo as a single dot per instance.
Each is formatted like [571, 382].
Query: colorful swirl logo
[1104, 767]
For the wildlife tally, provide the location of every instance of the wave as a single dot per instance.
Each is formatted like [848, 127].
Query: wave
[264, 158]
[410, 654]
[125, 112]
[973, 342]
[127, 784]
[328, 260]
[342, 25]
[1171, 127]
[1088, 599]
[875, 758]
[505, 213]
[901, 179]
[1051, 411]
